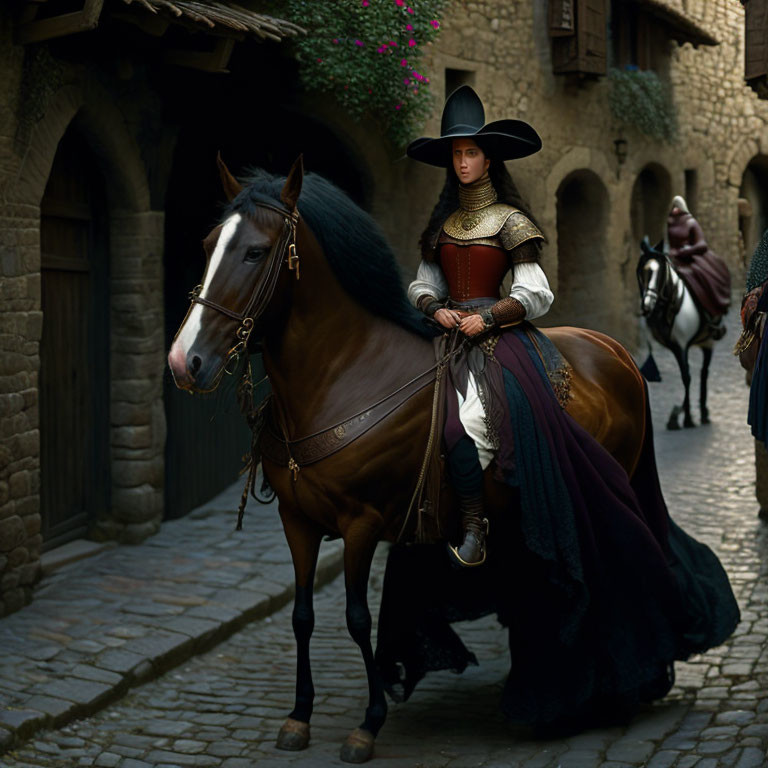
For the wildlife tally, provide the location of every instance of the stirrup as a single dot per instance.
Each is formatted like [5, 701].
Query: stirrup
[461, 560]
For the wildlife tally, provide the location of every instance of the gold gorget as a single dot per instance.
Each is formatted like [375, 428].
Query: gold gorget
[480, 218]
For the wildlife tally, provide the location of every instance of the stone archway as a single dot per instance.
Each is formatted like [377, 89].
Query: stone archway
[753, 211]
[134, 232]
[582, 217]
[650, 202]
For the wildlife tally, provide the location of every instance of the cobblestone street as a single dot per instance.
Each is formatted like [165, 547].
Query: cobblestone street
[223, 709]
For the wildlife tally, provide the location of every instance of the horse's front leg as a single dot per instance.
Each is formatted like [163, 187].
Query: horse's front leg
[681, 356]
[304, 542]
[703, 384]
[359, 546]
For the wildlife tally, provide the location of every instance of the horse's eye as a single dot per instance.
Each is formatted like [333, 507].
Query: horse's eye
[254, 254]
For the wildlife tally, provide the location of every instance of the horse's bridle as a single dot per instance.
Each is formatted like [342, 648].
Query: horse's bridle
[284, 250]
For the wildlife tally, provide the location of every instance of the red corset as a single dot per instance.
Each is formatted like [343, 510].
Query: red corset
[473, 271]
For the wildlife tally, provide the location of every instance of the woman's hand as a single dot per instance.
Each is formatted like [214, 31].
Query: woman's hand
[447, 318]
[472, 325]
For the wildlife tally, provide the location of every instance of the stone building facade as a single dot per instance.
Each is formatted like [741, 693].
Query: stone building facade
[114, 97]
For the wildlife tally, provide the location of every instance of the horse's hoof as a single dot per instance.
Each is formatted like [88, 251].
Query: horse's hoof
[293, 736]
[673, 424]
[704, 420]
[358, 748]
[688, 423]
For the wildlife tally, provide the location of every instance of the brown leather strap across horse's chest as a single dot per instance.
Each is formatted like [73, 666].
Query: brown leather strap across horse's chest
[311, 449]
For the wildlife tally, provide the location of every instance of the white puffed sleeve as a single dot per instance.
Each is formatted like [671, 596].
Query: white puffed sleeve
[531, 289]
[429, 279]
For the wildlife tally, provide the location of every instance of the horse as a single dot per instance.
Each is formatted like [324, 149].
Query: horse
[677, 323]
[295, 263]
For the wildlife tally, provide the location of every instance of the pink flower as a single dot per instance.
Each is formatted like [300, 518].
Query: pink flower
[410, 10]
[415, 90]
[435, 23]
[359, 42]
[336, 40]
[393, 43]
[365, 3]
[409, 27]
[319, 61]
[397, 106]
[407, 80]
[403, 62]
[399, 3]
[370, 91]
[411, 43]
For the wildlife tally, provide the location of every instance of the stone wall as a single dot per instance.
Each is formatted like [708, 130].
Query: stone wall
[20, 330]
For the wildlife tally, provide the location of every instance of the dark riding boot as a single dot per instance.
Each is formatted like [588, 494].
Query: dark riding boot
[471, 552]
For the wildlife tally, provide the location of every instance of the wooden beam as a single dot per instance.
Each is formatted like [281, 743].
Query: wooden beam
[60, 26]
[207, 61]
[155, 26]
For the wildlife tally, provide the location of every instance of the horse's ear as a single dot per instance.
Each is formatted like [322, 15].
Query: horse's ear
[292, 187]
[232, 187]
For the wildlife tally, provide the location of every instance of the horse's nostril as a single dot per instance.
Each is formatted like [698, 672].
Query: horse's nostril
[194, 365]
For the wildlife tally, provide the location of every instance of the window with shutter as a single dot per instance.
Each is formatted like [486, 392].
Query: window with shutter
[583, 51]
[756, 48]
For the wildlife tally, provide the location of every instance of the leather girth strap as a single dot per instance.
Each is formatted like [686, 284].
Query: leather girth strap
[311, 449]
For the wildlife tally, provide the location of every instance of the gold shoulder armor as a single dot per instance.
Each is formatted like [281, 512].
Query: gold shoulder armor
[517, 229]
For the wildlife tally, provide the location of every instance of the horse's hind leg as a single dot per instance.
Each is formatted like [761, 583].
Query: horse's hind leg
[304, 542]
[703, 384]
[359, 546]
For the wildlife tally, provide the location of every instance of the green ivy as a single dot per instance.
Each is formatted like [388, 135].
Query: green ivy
[640, 99]
[367, 53]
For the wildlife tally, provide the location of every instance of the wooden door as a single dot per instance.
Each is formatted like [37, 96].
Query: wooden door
[74, 351]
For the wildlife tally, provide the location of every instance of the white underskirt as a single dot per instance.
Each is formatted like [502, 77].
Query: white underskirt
[472, 416]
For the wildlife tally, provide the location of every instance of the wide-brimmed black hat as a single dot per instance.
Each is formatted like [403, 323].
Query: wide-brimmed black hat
[464, 118]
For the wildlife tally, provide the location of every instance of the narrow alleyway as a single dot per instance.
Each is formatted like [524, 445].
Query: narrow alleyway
[223, 709]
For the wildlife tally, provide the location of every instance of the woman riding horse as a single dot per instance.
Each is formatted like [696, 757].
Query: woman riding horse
[471, 241]
[599, 587]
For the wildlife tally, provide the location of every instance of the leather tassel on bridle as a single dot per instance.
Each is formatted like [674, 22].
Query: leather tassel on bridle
[254, 415]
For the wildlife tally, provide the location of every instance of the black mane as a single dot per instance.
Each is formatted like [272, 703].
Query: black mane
[354, 246]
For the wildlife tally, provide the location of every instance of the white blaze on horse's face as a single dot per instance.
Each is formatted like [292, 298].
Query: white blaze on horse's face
[651, 293]
[187, 337]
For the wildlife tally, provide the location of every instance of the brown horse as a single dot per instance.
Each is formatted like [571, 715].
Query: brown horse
[324, 294]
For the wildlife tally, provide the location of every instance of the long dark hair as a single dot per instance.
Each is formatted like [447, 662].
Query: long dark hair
[448, 202]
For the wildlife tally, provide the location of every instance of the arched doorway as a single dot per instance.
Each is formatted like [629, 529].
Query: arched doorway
[206, 435]
[650, 203]
[582, 214]
[753, 212]
[74, 350]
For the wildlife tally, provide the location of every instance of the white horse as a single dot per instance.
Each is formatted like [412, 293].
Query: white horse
[677, 323]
